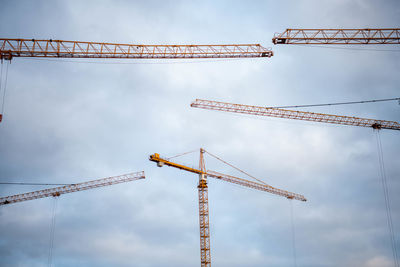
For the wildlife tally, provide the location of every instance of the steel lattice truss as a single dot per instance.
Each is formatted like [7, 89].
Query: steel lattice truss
[293, 114]
[204, 222]
[338, 36]
[255, 185]
[10, 48]
[53, 192]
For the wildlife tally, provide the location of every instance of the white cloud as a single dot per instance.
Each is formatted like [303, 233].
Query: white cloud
[378, 261]
[70, 122]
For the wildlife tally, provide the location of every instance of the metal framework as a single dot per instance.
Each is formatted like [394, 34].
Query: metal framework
[255, 185]
[10, 48]
[204, 220]
[203, 196]
[338, 36]
[297, 115]
[57, 191]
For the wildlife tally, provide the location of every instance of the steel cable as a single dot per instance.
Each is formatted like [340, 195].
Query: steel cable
[182, 154]
[23, 183]
[261, 181]
[52, 232]
[293, 233]
[4, 88]
[387, 199]
[340, 103]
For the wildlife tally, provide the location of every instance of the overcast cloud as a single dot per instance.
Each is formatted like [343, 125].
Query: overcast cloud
[68, 121]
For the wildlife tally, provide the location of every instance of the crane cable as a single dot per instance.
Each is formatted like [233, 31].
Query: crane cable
[182, 154]
[23, 183]
[293, 233]
[387, 199]
[261, 181]
[4, 87]
[52, 230]
[340, 103]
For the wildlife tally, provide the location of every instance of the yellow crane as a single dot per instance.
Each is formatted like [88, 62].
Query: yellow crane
[203, 196]
[294, 114]
[338, 36]
[70, 188]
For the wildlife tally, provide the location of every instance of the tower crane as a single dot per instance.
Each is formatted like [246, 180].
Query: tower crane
[57, 191]
[49, 48]
[316, 117]
[338, 36]
[203, 196]
[294, 114]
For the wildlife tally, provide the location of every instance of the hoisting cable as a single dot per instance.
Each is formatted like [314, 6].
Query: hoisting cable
[4, 89]
[387, 199]
[261, 181]
[293, 233]
[340, 103]
[1, 82]
[52, 230]
[1, 74]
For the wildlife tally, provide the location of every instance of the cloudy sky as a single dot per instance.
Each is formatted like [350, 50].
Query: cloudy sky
[69, 121]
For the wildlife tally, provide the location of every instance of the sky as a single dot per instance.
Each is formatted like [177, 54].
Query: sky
[69, 121]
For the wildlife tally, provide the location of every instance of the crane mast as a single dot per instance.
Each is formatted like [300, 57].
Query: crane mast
[57, 191]
[204, 220]
[203, 196]
[294, 114]
[317, 117]
[338, 36]
[10, 48]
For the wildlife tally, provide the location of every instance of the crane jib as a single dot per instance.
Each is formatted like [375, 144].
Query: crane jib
[10, 48]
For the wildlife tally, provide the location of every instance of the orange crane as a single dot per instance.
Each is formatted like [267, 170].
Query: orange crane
[338, 36]
[57, 191]
[317, 117]
[10, 48]
[294, 114]
[203, 196]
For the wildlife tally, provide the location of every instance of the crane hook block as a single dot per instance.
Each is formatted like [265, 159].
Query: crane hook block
[376, 126]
